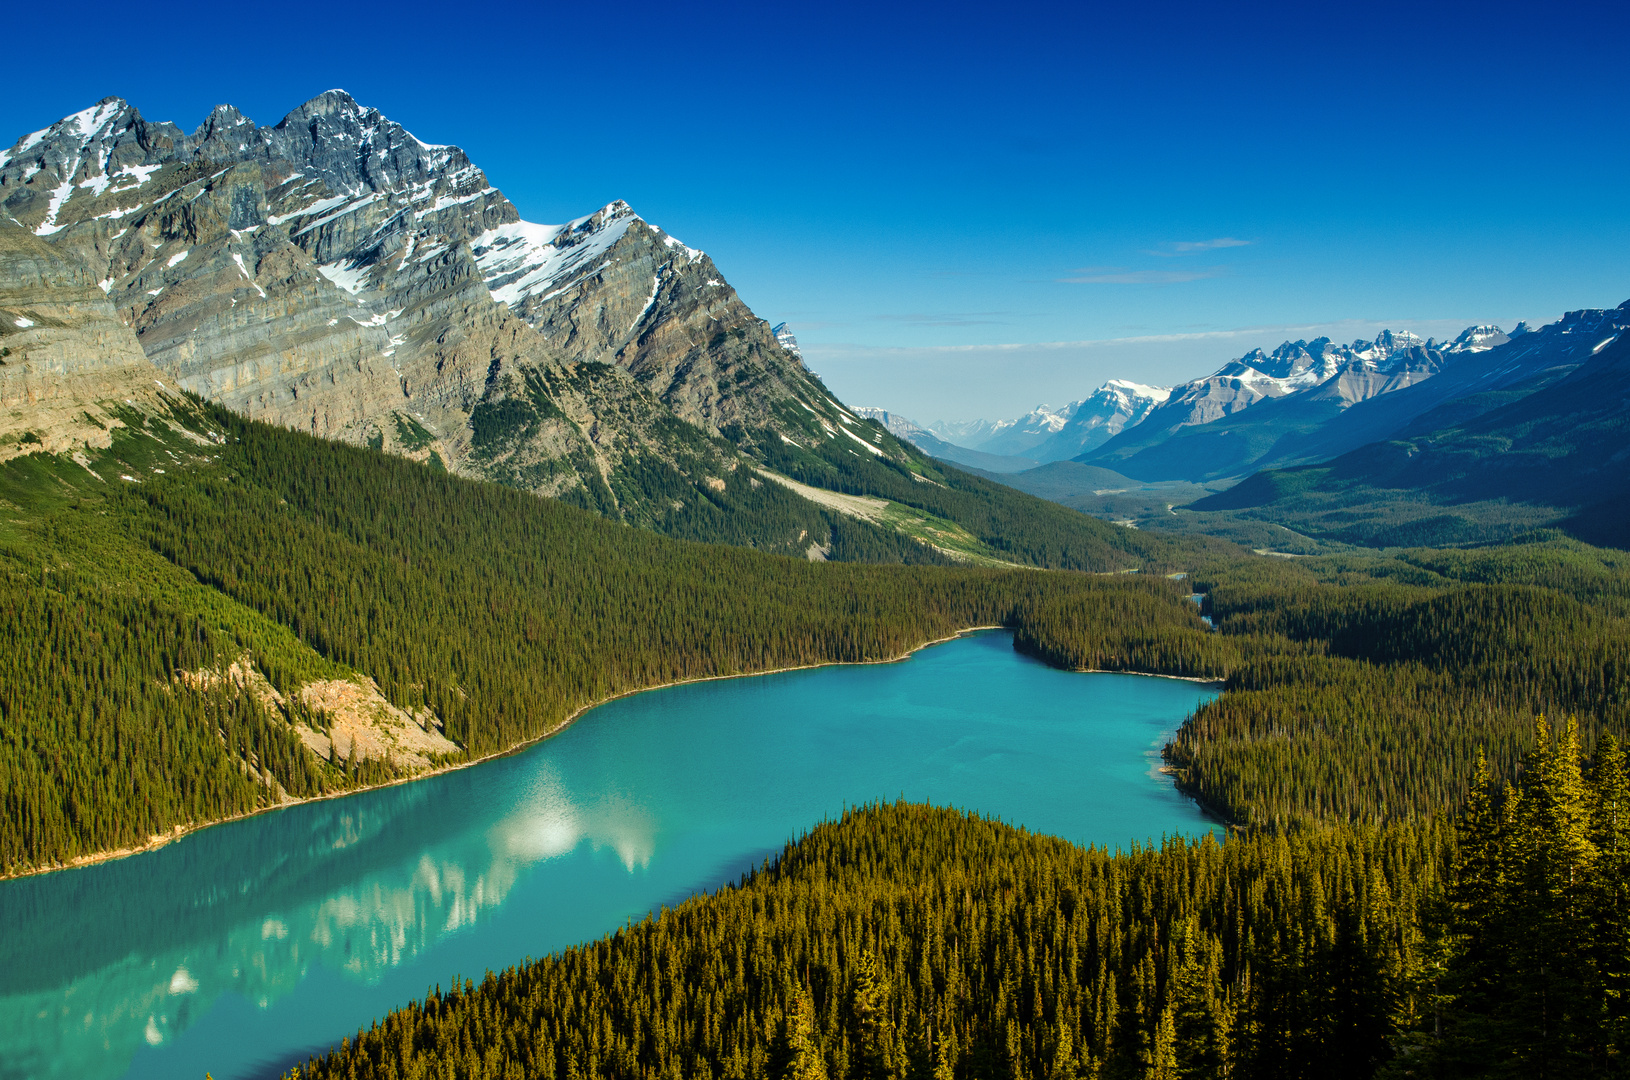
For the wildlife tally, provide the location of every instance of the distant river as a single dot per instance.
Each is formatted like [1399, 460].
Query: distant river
[246, 946]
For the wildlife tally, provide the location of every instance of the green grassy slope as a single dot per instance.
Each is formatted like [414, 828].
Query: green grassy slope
[1010, 524]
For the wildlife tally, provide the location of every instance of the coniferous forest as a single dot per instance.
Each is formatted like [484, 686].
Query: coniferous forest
[909, 941]
[1419, 879]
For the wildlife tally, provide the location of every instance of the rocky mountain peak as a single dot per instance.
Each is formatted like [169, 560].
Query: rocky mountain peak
[783, 337]
[1481, 338]
[336, 274]
[354, 149]
[1048, 434]
[329, 103]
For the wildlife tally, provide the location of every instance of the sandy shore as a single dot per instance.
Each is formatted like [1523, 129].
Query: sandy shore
[1215, 684]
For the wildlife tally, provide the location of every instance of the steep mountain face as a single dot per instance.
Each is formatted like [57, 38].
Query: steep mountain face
[1204, 429]
[70, 371]
[1554, 448]
[334, 273]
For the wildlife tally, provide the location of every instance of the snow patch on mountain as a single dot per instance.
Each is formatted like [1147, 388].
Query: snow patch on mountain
[522, 260]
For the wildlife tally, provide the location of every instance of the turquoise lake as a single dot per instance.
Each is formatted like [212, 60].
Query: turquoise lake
[243, 948]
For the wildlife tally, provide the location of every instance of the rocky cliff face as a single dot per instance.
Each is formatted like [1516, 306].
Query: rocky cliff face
[335, 274]
[70, 371]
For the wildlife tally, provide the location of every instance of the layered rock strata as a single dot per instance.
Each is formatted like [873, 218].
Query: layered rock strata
[335, 274]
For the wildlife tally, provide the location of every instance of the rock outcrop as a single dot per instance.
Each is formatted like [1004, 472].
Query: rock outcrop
[70, 371]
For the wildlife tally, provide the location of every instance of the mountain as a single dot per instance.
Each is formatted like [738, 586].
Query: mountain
[1538, 434]
[1478, 379]
[784, 338]
[968, 433]
[334, 274]
[1113, 407]
[932, 445]
[1024, 433]
[1045, 434]
[1259, 406]
[70, 372]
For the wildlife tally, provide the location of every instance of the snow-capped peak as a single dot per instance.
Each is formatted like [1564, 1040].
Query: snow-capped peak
[783, 335]
[1131, 392]
[523, 261]
[1481, 338]
[86, 123]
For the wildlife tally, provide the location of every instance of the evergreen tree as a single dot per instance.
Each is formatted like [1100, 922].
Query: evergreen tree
[872, 1023]
[1548, 1016]
[796, 1056]
[1610, 900]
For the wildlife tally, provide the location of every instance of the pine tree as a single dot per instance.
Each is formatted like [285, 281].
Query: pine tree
[873, 1028]
[1200, 1025]
[796, 1055]
[1549, 1022]
[1610, 899]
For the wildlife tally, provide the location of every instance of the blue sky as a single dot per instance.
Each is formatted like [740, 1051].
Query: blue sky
[964, 210]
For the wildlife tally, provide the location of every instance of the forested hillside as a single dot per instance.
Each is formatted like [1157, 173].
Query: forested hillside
[485, 614]
[907, 941]
[1363, 689]
[1324, 938]
[1345, 929]
[910, 941]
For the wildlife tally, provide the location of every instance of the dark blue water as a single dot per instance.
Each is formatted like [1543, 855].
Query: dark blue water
[245, 946]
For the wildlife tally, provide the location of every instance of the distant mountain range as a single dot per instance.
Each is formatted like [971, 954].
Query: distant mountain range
[1045, 434]
[1262, 408]
[1426, 442]
[1122, 422]
[1535, 432]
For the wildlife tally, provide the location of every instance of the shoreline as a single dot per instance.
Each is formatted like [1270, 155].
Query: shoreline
[180, 831]
[1215, 684]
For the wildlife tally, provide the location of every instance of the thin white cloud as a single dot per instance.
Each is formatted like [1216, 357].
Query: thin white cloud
[970, 318]
[1189, 247]
[1103, 275]
[1342, 330]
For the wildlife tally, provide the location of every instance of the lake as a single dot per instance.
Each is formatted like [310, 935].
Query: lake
[244, 947]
